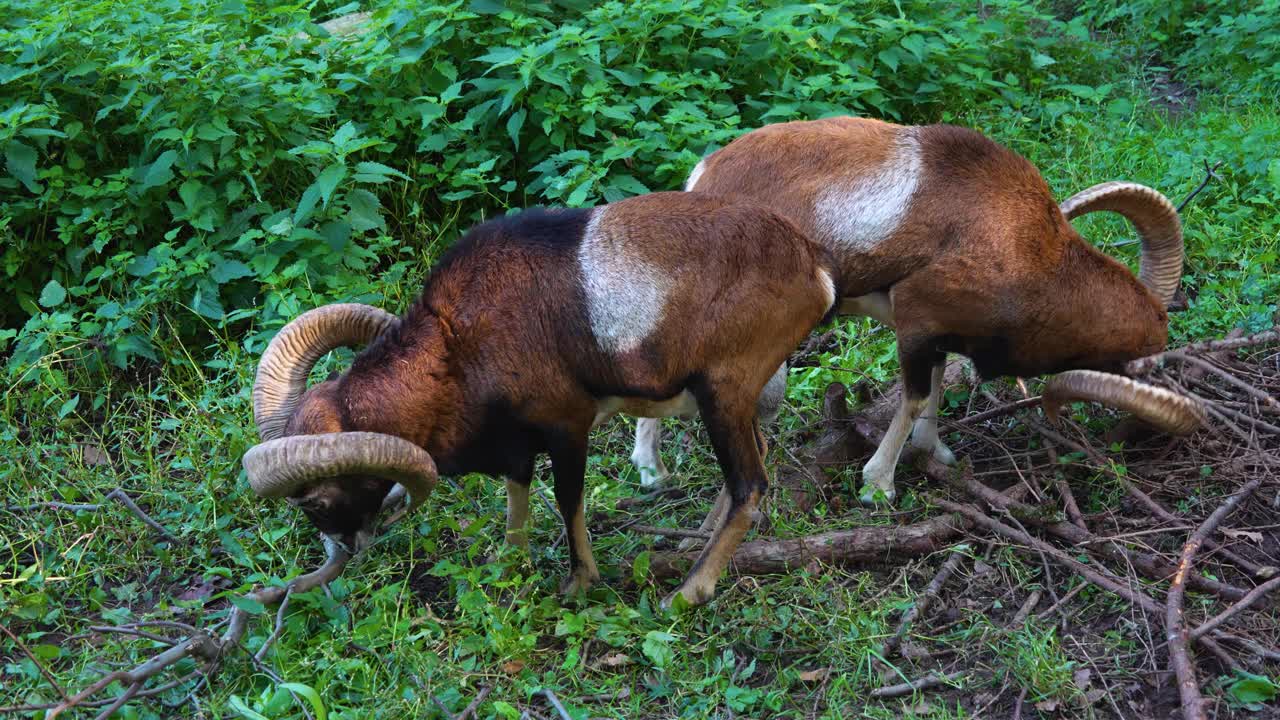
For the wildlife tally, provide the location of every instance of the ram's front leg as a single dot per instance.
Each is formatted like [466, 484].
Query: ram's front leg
[917, 358]
[924, 436]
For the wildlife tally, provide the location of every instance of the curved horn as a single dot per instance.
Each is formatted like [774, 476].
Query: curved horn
[283, 370]
[280, 467]
[1169, 411]
[1156, 221]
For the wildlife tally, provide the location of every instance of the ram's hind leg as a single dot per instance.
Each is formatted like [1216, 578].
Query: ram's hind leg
[569, 467]
[647, 455]
[767, 411]
[735, 436]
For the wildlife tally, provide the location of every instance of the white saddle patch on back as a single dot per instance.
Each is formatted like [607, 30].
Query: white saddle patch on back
[862, 212]
[693, 176]
[625, 294]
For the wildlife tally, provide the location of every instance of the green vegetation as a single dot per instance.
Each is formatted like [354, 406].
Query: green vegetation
[180, 178]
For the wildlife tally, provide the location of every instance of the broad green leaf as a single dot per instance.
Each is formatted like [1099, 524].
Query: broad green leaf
[329, 180]
[313, 697]
[306, 205]
[20, 159]
[1252, 689]
[68, 407]
[228, 270]
[366, 211]
[239, 706]
[52, 295]
[374, 168]
[514, 123]
[159, 172]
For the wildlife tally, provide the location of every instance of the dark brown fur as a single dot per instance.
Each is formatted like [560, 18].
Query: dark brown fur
[497, 361]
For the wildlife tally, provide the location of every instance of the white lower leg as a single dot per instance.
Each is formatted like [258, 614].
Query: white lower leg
[877, 474]
[646, 456]
[924, 436]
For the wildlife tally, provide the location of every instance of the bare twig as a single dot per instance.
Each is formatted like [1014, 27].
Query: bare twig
[35, 661]
[670, 532]
[1175, 629]
[474, 705]
[1142, 366]
[907, 688]
[922, 602]
[118, 495]
[555, 703]
[201, 645]
[1001, 411]
[1210, 174]
[1245, 603]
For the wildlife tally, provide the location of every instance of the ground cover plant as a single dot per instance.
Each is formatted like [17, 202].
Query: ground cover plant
[181, 178]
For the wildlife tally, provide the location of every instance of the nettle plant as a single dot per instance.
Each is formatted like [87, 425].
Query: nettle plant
[206, 167]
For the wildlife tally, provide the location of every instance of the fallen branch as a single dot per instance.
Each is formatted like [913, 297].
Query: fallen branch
[35, 661]
[199, 645]
[118, 495]
[907, 688]
[1146, 563]
[1142, 366]
[1245, 603]
[839, 547]
[1175, 629]
[670, 532]
[1097, 462]
[924, 600]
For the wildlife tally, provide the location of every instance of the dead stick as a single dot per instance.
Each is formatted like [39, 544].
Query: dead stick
[670, 532]
[926, 598]
[864, 544]
[35, 661]
[924, 683]
[474, 705]
[1106, 582]
[201, 645]
[1175, 628]
[1150, 565]
[1100, 464]
[1001, 411]
[1230, 379]
[555, 703]
[1254, 595]
[1141, 366]
[1210, 174]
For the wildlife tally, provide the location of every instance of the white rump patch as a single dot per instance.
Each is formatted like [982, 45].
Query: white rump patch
[625, 294]
[693, 176]
[862, 212]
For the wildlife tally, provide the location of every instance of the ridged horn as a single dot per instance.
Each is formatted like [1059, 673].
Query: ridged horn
[1169, 411]
[1156, 221]
[280, 467]
[283, 370]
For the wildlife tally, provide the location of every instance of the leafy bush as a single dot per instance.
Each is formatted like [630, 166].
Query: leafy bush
[181, 166]
[1222, 44]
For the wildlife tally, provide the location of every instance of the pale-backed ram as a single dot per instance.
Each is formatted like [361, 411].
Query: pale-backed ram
[957, 243]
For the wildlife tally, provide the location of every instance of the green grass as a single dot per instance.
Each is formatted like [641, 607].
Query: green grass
[424, 615]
